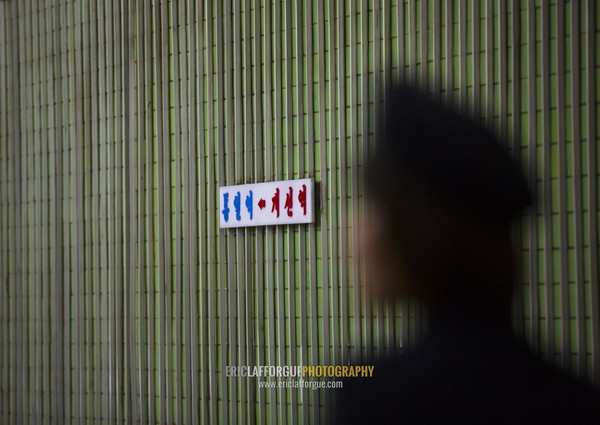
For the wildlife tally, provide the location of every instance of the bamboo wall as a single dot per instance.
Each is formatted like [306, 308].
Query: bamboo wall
[121, 300]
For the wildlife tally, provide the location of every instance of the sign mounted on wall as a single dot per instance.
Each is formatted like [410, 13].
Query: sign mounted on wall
[265, 204]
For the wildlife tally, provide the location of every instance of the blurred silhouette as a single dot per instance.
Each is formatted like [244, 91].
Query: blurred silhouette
[442, 195]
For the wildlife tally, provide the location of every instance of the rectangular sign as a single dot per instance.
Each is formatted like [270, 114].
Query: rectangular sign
[264, 204]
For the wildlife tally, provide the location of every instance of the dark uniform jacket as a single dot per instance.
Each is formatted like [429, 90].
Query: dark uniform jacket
[468, 370]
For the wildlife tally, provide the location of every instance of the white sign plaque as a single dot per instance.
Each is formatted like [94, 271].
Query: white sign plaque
[264, 204]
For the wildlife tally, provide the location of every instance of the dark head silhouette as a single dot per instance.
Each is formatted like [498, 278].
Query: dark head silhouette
[442, 196]
[443, 193]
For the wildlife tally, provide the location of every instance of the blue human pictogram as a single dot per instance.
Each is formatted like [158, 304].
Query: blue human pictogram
[237, 204]
[225, 210]
[249, 204]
